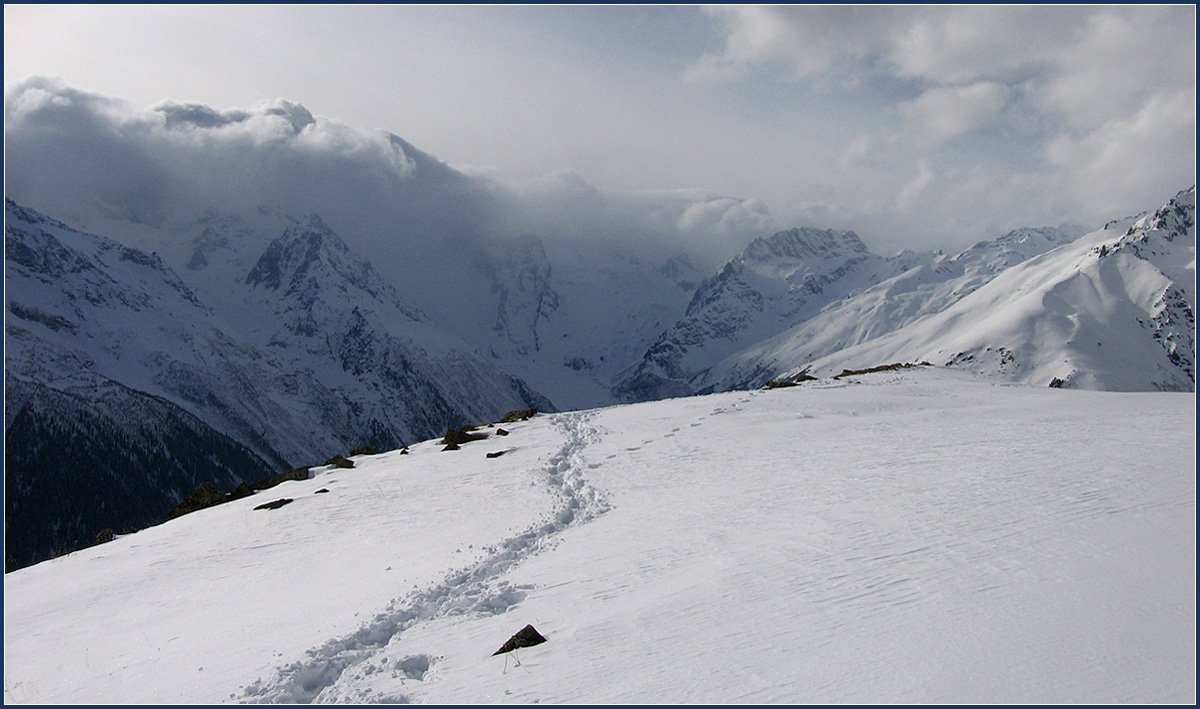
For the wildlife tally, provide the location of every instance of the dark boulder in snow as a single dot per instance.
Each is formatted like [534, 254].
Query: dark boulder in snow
[518, 415]
[462, 435]
[525, 637]
[274, 504]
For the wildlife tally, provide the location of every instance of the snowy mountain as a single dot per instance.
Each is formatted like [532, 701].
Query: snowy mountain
[1114, 311]
[778, 280]
[806, 300]
[852, 540]
[795, 277]
[571, 318]
[305, 354]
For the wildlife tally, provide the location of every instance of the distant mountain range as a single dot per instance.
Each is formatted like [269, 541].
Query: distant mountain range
[229, 347]
[1113, 310]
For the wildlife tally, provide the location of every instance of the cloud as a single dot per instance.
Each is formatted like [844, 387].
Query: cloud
[967, 44]
[1018, 114]
[1107, 165]
[941, 114]
[84, 157]
[804, 41]
[857, 151]
[913, 189]
[1122, 60]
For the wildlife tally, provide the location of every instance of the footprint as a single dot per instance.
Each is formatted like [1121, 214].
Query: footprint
[415, 666]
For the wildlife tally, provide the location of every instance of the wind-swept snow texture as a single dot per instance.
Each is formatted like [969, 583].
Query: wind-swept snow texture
[908, 536]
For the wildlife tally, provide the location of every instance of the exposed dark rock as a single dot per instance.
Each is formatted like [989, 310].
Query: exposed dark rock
[293, 474]
[518, 415]
[789, 381]
[881, 368]
[324, 489]
[462, 435]
[501, 432]
[497, 454]
[364, 450]
[525, 637]
[338, 461]
[451, 447]
[205, 495]
[105, 535]
[242, 490]
[274, 504]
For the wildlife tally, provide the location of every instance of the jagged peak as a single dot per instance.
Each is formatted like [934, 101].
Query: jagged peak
[1176, 217]
[304, 243]
[805, 243]
[30, 216]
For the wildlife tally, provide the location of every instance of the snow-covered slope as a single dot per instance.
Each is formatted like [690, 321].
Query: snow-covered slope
[907, 287]
[1114, 310]
[910, 536]
[1020, 306]
[776, 282]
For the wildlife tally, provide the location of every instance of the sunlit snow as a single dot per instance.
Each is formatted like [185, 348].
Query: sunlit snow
[911, 536]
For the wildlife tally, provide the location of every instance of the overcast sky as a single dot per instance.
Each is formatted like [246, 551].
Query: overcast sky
[916, 126]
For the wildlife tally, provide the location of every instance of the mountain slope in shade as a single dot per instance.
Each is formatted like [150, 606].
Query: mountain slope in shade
[306, 355]
[321, 308]
[1114, 310]
[855, 541]
[98, 457]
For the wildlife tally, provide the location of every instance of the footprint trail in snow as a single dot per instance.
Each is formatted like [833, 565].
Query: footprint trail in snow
[477, 590]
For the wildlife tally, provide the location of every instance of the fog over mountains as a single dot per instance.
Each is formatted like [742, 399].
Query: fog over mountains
[196, 295]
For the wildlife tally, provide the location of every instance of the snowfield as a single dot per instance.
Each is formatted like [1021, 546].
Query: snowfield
[919, 535]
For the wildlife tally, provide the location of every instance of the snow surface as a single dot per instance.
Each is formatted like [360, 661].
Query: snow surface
[910, 536]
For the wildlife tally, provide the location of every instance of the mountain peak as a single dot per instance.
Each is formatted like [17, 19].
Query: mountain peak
[304, 244]
[1176, 217]
[805, 243]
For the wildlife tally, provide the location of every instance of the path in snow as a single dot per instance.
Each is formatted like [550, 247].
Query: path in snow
[475, 591]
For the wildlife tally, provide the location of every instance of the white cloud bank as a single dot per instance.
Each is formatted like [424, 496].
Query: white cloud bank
[81, 156]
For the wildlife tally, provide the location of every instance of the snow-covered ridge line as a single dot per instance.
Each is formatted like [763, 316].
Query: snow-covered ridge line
[475, 591]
